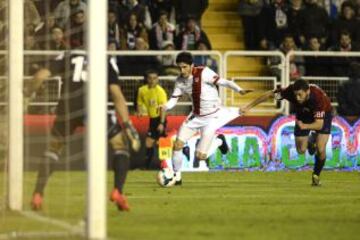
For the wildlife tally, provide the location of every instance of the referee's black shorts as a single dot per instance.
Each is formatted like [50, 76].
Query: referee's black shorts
[153, 125]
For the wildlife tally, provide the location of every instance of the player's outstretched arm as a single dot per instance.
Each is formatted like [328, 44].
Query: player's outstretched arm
[119, 102]
[121, 108]
[316, 125]
[257, 101]
[38, 78]
[230, 84]
[35, 83]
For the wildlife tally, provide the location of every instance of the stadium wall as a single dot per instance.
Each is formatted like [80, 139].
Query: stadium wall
[261, 142]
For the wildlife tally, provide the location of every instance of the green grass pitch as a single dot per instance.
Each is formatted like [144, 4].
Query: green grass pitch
[215, 205]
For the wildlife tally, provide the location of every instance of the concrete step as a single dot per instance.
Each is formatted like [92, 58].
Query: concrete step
[227, 37]
[225, 23]
[218, 15]
[231, 74]
[223, 7]
[222, 46]
[223, 2]
[248, 64]
[220, 30]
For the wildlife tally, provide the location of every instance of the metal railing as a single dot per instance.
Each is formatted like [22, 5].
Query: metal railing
[223, 65]
[281, 81]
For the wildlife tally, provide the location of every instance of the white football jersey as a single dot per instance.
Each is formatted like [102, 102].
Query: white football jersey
[201, 88]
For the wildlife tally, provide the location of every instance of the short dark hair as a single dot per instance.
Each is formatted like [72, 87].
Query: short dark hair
[300, 84]
[184, 57]
[354, 71]
[150, 71]
[162, 13]
[344, 32]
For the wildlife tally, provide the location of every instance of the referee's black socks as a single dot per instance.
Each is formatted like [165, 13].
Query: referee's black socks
[149, 156]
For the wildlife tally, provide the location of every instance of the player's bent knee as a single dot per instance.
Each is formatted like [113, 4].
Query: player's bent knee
[119, 142]
[56, 145]
[200, 155]
[322, 154]
[178, 145]
[301, 150]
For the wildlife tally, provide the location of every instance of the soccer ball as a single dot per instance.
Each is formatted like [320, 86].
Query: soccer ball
[165, 177]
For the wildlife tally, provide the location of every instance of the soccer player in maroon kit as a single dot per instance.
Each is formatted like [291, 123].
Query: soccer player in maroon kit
[313, 112]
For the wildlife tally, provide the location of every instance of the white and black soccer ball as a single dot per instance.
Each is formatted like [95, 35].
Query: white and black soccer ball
[166, 178]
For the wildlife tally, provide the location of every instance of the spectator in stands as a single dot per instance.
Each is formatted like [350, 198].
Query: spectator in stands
[357, 7]
[31, 14]
[130, 32]
[113, 27]
[141, 12]
[77, 29]
[168, 62]
[314, 65]
[137, 65]
[196, 9]
[314, 20]
[30, 42]
[3, 29]
[65, 9]
[161, 31]
[205, 60]
[348, 96]
[31, 63]
[272, 24]
[190, 36]
[249, 11]
[122, 11]
[346, 21]
[296, 62]
[43, 33]
[293, 14]
[57, 39]
[340, 65]
[156, 7]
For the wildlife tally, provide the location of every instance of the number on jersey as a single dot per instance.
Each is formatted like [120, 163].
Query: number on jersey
[79, 73]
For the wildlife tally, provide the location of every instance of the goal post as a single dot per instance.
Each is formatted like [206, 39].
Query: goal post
[16, 122]
[96, 143]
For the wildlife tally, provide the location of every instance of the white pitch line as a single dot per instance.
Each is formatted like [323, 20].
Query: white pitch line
[35, 235]
[71, 228]
[218, 197]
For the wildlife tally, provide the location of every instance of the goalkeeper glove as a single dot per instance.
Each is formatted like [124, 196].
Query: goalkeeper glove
[133, 136]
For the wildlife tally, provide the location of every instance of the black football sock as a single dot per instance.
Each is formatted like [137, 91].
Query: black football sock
[149, 156]
[121, 167]
[196, 163]
[319, 164]
[44, 173]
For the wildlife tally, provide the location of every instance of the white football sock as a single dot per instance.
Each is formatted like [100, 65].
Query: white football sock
[177, 160]
[178, 176]
[214, 145]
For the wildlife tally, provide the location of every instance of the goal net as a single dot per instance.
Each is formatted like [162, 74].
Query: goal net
[45, 190]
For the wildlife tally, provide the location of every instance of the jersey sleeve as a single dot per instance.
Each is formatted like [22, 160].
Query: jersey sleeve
[57, 65]
[112, 72]
[284, 93]
[177, 91]
[209, 76]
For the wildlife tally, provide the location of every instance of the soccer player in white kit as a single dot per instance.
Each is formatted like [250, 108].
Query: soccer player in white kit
[201, 84]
